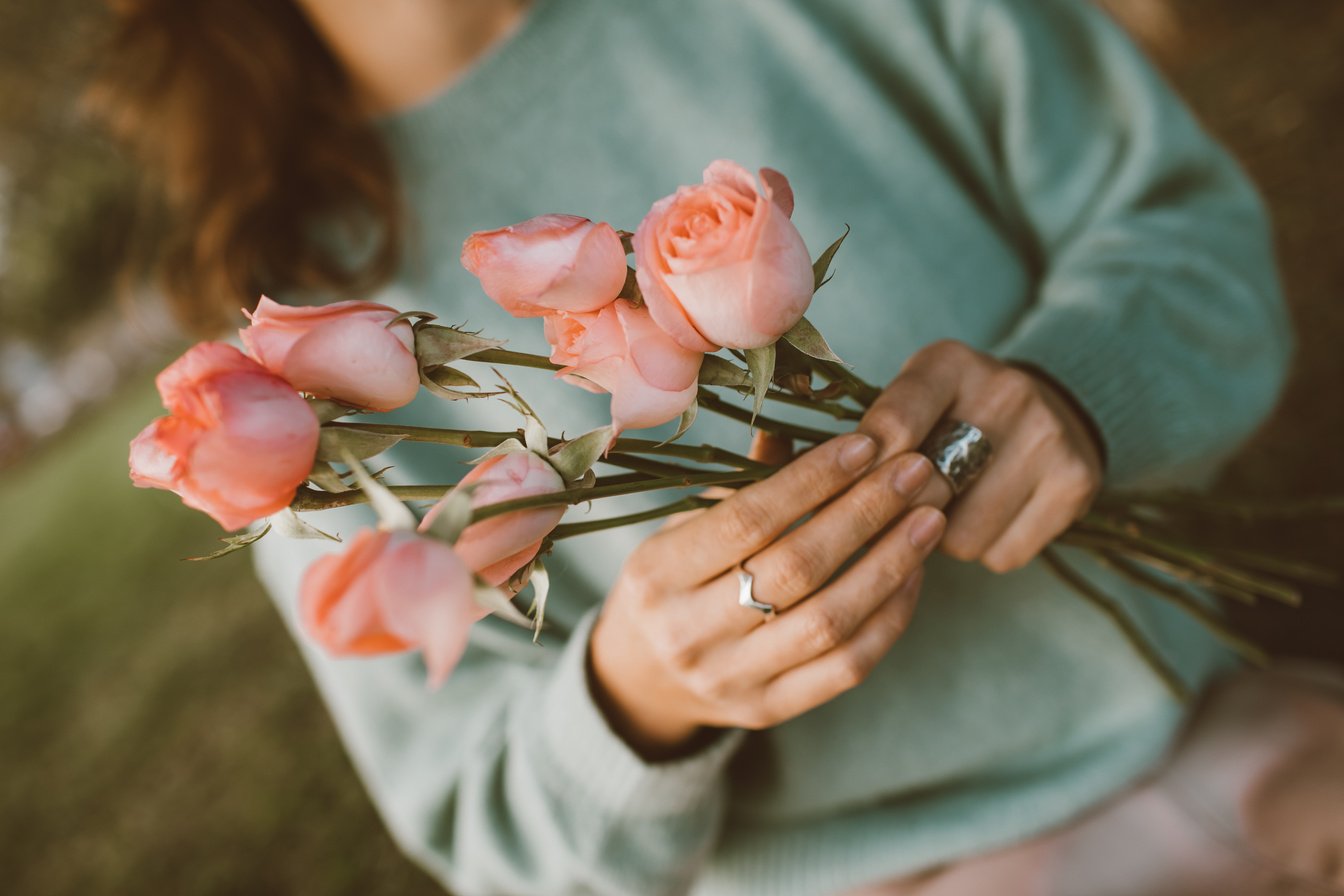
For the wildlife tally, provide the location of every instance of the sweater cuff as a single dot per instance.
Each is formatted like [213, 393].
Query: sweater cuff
[595, 762]
[1091, 355]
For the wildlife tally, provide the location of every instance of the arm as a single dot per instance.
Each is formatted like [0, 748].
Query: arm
[1158, 305]
[507, 779]
[1157, 337]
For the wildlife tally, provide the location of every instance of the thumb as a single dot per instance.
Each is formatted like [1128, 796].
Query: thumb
[771, 449]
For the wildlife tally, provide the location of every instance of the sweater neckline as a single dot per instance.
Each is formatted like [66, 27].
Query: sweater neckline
[514, 74]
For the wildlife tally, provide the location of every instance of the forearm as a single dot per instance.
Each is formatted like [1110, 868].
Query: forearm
[507, 778]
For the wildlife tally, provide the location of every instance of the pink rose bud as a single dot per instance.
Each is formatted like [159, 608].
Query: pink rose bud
[389, 592]
[344, 351]
[497, 547]
[549, 263]
[237, 442]
[721, 264]
[621, 350]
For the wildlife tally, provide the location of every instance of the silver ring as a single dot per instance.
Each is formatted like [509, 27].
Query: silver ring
[959, 451]
[744, 595]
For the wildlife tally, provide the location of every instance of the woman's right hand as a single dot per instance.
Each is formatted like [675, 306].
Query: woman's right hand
[673, 652]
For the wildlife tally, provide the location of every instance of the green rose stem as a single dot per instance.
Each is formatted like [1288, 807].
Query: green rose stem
[1188, 602]
[1108, 605]
[569, 530]
[476, 438]
[711, 402]
[862, 391]
[308, 499]
[1196, 561]
[541, 362]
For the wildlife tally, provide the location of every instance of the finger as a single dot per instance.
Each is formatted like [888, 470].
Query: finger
[812, 684]
[833, 615]
[987, 508]
[1053, 507]
[806, 558]
[914, 402]
[753, 517]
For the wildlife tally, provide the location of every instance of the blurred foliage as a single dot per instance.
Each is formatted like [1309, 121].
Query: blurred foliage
[159, 731]
[70, 194]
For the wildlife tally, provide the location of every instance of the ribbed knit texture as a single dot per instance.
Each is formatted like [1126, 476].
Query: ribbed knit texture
[1017, 178]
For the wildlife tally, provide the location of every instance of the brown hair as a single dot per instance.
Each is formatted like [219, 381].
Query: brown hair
[264, 168]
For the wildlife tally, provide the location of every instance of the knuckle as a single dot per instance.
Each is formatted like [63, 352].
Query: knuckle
[756, 717]
[678, 650]
[1002, 560]
[795, 570]
[822, 631]
[889, 424]
[1078, 480]
[961, 545]
[707, 685]
[1011, 389]
[944, 350]
[873, 505]
[851, 669]
[744, 520]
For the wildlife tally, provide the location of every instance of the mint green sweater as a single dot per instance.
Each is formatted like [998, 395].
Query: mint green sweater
[1016, 177]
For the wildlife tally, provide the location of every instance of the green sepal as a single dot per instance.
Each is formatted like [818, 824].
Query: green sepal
[534, 435]
[451, 516]
[761, 363]
[328, 410]
[422, 316]
[496, 601]
[334, 443]
[436, 345]
[683, 424]
[808, 340]
[234, 543]
[716, 371]
[449, 382]
[291, 525]
[577, 456]
[508, 446]
[541, 589]
[823, 262]
[392, 514]
[326, 478]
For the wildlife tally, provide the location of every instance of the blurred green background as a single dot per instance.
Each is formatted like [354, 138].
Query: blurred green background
[158, 733]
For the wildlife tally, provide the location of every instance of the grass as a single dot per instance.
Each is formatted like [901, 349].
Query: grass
[158, 731]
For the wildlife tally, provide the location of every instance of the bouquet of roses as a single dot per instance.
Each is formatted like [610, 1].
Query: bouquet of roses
[713, 306]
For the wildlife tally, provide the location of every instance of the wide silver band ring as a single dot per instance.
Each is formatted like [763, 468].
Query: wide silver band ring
[959, 451]
[746, 599]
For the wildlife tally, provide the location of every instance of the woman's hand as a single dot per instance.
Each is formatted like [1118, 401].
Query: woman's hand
[1046, 467]
[674, 652]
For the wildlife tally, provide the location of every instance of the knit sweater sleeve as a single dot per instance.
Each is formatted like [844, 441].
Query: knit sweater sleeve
[507, 778]
[1157, 304]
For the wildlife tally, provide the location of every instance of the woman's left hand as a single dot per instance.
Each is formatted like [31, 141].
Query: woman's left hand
[1046, 465]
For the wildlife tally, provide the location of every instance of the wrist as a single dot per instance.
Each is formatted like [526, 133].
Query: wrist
[637, 708]
[1066, 402]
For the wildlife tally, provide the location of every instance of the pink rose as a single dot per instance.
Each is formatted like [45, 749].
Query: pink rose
[388, 592]
[498, 547]
[621, 350]
[237, 442]
[549, 263]
[720, 264]
[344, 351]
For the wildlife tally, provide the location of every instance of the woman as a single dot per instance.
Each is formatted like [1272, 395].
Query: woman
[1044, 244]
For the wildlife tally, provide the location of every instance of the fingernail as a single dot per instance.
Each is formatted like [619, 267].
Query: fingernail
[857, 452]
[911, 474]
[926, 528]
